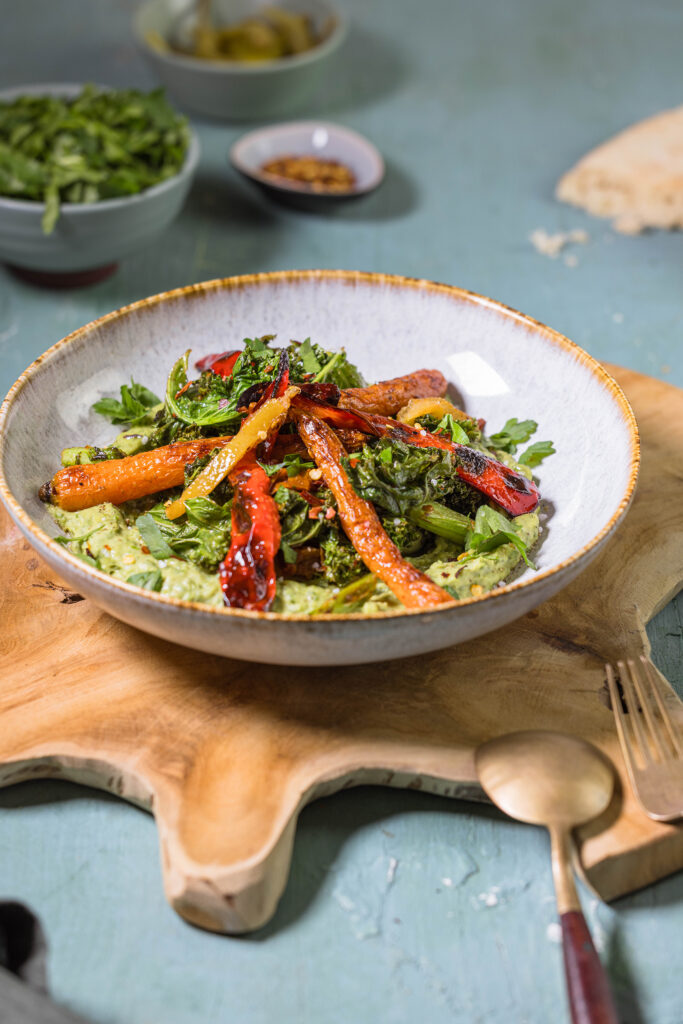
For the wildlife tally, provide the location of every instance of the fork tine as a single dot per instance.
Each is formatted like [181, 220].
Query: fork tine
[631, 701]
[663, 710]
[619, 718]
[644, 694]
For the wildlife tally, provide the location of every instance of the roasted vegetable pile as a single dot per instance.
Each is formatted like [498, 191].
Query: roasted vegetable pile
[280, 467]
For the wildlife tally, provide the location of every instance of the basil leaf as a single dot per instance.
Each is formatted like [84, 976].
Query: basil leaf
[451, 425]
[153, 537]
[151, 580]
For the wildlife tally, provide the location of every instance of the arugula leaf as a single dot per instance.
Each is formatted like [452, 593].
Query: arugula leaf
[288, 552]
[151, 580]
[536, 453]
[136, 403]
[514, 433]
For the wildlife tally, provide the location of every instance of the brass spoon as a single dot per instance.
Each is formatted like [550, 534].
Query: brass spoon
[548, 778]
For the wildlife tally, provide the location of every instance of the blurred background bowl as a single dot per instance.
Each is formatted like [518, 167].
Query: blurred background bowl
[234, 90]
[308, 138]
[88, 238]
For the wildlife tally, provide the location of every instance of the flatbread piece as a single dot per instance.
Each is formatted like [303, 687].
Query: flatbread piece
[636, 177]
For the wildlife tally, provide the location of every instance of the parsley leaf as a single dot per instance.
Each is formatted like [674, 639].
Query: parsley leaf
[309, 358]
[536, 453]
[135, 405]
[514, 433]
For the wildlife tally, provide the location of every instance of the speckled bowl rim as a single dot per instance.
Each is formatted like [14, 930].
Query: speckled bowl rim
[272, 182]
[34, 206]
[350, 277]
[322, 49]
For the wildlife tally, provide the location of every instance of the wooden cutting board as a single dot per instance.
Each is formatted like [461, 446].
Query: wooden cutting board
[226, 753]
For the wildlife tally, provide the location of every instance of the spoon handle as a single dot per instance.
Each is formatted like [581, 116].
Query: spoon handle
[590, 999]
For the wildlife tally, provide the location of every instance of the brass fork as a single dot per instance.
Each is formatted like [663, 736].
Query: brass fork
[650, 739]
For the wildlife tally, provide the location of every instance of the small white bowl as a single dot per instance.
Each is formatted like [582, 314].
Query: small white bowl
[88, 238]
[234, 90]
[502, 363]
[308, 138]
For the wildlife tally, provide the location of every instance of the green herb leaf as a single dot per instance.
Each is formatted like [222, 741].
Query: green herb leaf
[514, 433]
[385, 456]
[452, 427]
[153, 537]
[98, 145]
[288, 552]
[151, 580]
[134, 406]
[536, 453]
[308, 357]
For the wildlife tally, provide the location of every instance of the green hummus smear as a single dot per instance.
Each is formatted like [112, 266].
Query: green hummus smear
[103, 536]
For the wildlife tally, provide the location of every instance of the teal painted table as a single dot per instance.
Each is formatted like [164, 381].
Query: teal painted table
[400, 906]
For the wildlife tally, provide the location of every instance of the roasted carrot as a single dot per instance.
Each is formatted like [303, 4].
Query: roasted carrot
[361, 522]
[387, 397]
[118, 480]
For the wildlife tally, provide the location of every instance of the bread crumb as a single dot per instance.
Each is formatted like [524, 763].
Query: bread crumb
[551, 245]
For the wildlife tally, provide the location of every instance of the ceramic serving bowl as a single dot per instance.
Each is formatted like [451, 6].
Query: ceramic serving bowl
[88, 238]
[502, 364]
[308, 138]
[232, 90]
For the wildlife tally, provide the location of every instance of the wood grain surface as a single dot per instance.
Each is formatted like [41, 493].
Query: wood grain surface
[225, 753]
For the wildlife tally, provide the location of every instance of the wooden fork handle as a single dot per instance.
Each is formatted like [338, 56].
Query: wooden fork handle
[590, 998]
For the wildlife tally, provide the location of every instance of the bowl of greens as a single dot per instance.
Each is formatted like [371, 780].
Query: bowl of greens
[240, 60]
[87, 176]
[345, 467]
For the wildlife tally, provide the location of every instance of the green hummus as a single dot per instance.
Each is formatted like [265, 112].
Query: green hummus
[103, 534]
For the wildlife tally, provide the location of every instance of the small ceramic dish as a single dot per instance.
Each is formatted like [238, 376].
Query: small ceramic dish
[235, 90]
[502, 363]
[88, 238]
[328, 142]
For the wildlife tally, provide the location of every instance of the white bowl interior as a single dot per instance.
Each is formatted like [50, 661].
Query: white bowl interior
[310, 138]
[499, 363]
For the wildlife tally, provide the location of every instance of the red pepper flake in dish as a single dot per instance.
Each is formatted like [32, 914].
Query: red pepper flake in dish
[317, 174]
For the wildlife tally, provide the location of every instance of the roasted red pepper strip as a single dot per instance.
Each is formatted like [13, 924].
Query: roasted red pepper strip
[222, 364]
[342, 419]
[247, 576]
[361, 522]
[512, 491]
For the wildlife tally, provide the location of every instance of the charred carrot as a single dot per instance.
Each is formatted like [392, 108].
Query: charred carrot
[387, 397]
[361, 522]
[118, 480]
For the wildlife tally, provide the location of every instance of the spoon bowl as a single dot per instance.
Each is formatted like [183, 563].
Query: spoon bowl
[546, 778]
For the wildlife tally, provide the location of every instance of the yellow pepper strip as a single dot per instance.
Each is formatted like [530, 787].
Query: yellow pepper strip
[438, 407]
[255, 428]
